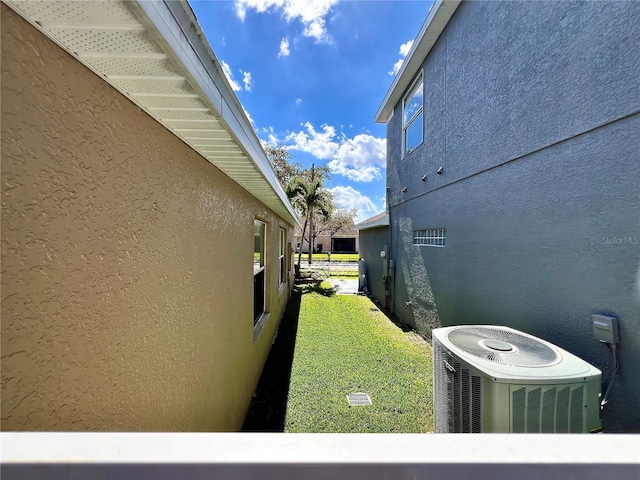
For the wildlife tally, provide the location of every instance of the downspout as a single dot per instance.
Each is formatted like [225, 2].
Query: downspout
[391, 263]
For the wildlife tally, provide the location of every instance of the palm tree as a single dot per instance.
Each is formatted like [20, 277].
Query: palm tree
[310, 197]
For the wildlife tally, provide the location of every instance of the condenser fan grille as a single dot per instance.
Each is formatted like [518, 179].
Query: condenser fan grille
[503, 346]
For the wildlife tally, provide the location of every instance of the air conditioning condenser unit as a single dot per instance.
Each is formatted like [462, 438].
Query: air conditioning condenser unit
[490, 379]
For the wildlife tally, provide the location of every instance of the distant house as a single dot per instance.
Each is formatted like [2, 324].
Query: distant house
[343, 241]
[513, 140]
[146, 242]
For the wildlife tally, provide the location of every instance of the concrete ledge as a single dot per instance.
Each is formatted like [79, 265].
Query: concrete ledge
[310, 456]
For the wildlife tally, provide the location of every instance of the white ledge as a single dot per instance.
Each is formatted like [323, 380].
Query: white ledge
[243, 455]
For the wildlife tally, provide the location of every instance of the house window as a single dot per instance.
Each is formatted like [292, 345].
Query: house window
[412, 119]
[281, 259]
[431, 237]
[259, 277]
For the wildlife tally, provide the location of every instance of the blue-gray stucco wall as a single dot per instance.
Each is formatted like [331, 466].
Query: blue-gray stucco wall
[372, 242]
[533, 111]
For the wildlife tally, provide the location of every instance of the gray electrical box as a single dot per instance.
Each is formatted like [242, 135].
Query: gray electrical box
[605, 328]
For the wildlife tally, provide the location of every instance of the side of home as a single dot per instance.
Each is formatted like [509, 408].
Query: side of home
[375, 272]
[512, 175]
[146, 243]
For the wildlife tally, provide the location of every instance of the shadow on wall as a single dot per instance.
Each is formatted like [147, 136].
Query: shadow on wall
[268, 409]
[421, 301]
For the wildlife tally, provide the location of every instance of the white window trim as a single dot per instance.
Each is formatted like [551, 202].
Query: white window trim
[419, 78]
[282, 251]
[264, 316]
[259, 326]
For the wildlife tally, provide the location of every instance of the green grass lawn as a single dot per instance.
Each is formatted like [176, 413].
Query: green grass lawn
[344, 344]
[329, 346]
[343, 274]
[335, 257]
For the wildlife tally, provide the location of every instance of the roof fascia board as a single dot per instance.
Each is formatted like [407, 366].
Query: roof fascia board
[379, 220]
[439, 15]
[177, 29]
[382, 222]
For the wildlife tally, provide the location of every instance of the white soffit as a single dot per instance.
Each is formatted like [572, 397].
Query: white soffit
[437, 18]
[154, 52]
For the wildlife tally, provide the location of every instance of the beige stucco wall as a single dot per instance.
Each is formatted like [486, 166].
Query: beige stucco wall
[126, 260]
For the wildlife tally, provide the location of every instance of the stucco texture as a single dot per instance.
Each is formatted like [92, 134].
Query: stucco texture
[127, 272]
[533, 111]
[372, 242]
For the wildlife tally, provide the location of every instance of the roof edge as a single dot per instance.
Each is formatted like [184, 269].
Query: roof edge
[439, 15]
[379, 220]
[230, 109]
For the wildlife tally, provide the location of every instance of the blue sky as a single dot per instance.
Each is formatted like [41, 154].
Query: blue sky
[311, 75]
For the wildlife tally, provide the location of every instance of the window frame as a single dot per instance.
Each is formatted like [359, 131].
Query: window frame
[260, 271]
[282, 266]
[419, 113]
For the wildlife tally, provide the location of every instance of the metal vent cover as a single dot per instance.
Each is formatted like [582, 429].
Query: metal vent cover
[537, 409]
[359, 399]
[506, 347]
[458, 395]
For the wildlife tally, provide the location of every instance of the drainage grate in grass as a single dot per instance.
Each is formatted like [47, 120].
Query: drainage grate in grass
[359, 399]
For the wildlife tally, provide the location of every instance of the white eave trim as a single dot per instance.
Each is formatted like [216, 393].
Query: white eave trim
[223, 134]
[380, 222]
[439, 15]
[178, 27]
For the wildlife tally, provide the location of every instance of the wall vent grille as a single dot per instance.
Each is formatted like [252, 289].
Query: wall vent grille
[432, 237]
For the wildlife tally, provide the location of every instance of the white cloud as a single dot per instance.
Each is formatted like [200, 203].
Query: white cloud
[347, 198]
[311, 13]
[298, 101]
[284, 48]
[360, 158]
[396, 67]
[272, 139]
[404, 51]
[247, 80]
[405, 48]
[318, 144]
[227, 71]
[317, 30]
[383, 200]
[249, 117]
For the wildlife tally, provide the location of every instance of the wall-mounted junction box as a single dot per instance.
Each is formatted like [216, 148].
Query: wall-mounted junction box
[605, 328]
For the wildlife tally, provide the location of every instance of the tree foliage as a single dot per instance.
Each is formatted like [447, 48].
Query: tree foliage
[340, 222]
[306, 190]
[316, 201]
[283, 165]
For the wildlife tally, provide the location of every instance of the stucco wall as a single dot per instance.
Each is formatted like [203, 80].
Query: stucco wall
[127, 272]
[533, 111]
[372, 242]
